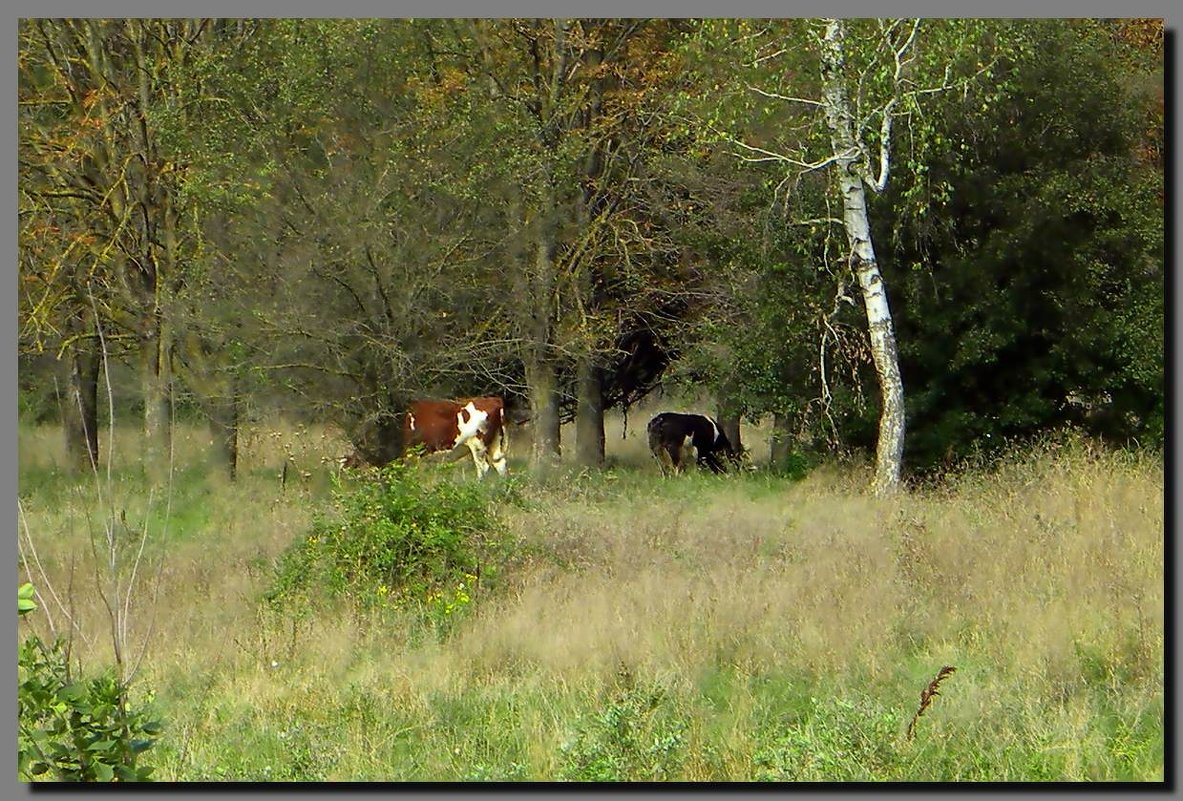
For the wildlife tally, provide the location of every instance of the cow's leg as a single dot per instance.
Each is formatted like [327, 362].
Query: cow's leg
[685, 458]
[674, 453]
[663, 460]
[497, 453]
[711, 460]
[665, 454]
[479, 454]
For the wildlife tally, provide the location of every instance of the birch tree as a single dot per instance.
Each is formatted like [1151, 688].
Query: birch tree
[868, 83]
[852, 175]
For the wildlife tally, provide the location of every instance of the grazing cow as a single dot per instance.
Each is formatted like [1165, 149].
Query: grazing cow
[670, 432]
[446, 425]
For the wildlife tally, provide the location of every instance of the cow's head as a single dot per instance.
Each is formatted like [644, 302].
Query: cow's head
[734, 458]
[517, 410]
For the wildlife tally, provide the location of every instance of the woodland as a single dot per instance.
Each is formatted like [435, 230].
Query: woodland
[957, 223]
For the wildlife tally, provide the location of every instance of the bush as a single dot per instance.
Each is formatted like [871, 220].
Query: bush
[71, 730]
[796, 465]
[628, 740]
[398, 541]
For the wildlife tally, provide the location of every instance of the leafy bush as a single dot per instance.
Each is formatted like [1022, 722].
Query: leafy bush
[796, 465]
[627, 741]
[72, 730]
[396, 541]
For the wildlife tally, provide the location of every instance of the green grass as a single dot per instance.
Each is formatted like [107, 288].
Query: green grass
[699, 628]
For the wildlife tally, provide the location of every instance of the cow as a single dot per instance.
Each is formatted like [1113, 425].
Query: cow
[444, 425]
[670, 432]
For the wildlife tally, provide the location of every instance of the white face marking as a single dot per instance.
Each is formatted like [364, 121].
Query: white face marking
[411, 420]
[715, 429]
[468, 430]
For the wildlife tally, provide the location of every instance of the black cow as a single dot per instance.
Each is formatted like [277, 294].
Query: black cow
[668, 435]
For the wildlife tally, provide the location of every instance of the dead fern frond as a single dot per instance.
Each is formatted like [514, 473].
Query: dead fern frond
[927, 694]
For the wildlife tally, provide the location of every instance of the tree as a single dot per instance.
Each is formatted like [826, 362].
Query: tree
[579, 100]
[378, 278]
[850, 159]
[1029, 250]
[866, 85]
[92, 158]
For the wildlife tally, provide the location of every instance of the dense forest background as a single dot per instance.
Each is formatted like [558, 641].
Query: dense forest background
[326, 218]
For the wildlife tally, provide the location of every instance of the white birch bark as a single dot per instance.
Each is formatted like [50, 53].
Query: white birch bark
[849, 182]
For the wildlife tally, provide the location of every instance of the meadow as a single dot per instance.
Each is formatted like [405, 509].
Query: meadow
[741, 628]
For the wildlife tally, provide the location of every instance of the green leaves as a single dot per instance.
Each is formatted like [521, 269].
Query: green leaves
[26, 604]
[77, 730]
[1040, 292]
[71, 729]
[403, 541]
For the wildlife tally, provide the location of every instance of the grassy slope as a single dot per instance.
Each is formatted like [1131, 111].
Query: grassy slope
[696, 629]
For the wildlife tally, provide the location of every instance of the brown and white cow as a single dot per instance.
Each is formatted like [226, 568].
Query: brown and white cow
[444, 425]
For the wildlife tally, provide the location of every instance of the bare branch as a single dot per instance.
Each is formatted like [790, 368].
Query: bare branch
[786, 98]
[768, 155]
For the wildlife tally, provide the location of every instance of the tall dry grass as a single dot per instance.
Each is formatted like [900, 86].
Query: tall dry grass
[1012, 569]
[752, 602]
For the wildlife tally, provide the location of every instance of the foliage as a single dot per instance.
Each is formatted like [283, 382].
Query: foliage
[1032, 297]
[839, 738]
[397, 541]
[345, 214]
[629, 739]
[796, 465]
[75, 730]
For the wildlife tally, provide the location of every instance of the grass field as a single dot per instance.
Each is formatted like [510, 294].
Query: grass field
[700, 628]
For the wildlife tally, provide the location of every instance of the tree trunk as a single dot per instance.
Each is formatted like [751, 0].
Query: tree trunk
[225, 414]
[541, 370]
[890, 446]
[589, 410]
[728, 416]
[156, 266]
[157, 393]
[544, 422]
[80, 417]
[782, 438]
[589, 415]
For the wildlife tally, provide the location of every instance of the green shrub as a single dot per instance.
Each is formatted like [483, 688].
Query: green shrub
[796, 465]
[398, 541]
[72, 730]
[628, 740]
